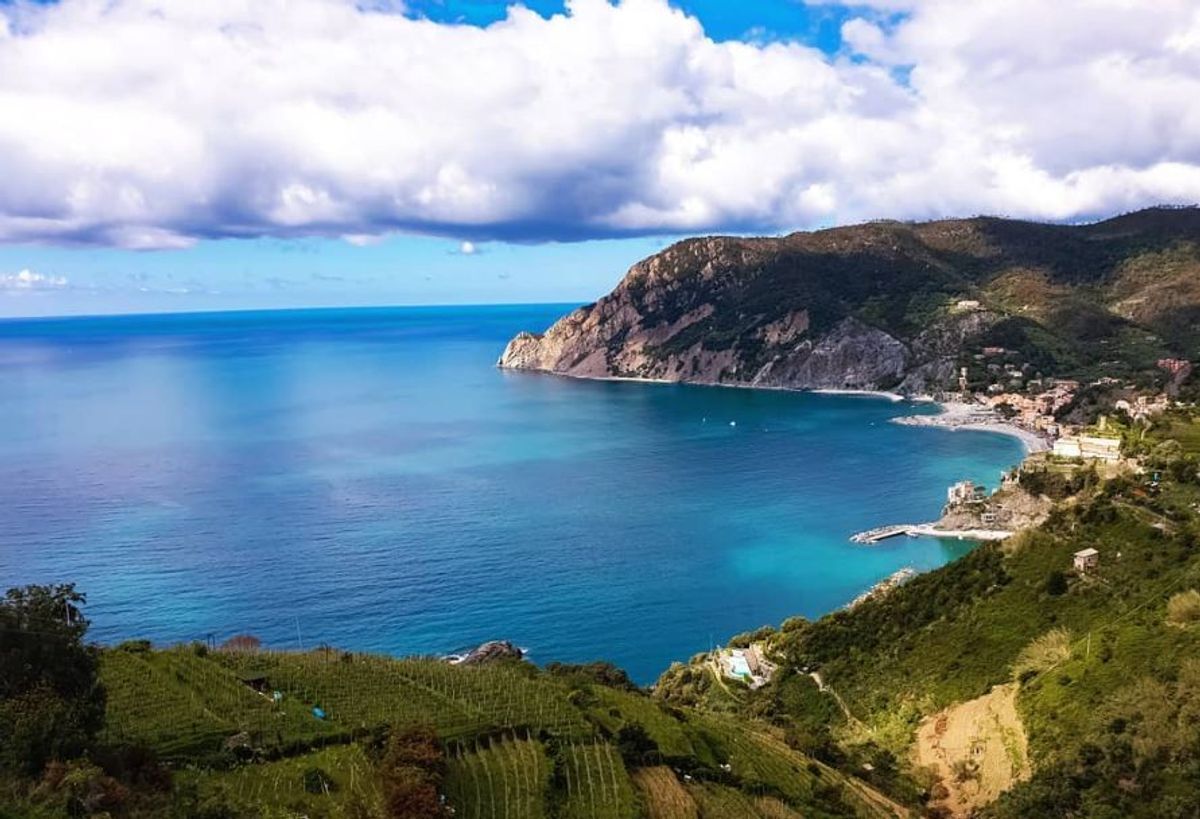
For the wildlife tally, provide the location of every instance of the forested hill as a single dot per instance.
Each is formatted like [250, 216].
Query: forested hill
[892, 305]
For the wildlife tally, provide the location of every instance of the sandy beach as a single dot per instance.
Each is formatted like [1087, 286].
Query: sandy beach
[957, 415]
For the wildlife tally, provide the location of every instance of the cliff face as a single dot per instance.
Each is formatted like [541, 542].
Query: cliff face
[884, 305]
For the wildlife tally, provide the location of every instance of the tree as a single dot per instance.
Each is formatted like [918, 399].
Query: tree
[636, 746]
[1056, 583]
[412, 770]
[51, 698]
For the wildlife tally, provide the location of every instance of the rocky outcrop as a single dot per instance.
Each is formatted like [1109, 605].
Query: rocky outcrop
[490, 652]
[879, 306]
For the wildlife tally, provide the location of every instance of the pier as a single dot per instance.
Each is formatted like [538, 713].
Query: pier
[882, 533]
[927, 530]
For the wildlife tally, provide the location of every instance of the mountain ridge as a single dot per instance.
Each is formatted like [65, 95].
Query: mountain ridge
[890, 305]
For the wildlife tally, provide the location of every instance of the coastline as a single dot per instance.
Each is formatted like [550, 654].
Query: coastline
[956, 415]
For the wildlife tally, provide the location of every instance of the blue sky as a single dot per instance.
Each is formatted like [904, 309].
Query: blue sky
[722, 19]
[198, 156]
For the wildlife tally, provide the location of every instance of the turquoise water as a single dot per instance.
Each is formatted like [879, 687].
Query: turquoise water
[368, 479]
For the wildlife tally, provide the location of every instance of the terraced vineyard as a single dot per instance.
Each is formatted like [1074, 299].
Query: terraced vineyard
[255, 728]
[663, 796]
[278, 787]
[183, 705]
[508, 779]
[597, 786]
[458, 701]
[617, 708]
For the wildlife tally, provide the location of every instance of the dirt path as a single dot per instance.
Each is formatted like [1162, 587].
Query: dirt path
[978, 749]
[824, 688]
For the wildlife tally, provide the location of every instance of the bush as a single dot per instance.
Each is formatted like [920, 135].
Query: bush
[316, 780]
[1043, 653]
[242, 642]
[600, 673]
[636, 747]
[1183, 608]
[412, 771]
[1056, 584]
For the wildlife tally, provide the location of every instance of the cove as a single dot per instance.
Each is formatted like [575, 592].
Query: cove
[368, 479]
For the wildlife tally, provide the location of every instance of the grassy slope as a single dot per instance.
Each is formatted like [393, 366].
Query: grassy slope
[950, 635]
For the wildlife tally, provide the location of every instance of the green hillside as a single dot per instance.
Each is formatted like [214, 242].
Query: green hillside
[194, 732]
[1105, 664]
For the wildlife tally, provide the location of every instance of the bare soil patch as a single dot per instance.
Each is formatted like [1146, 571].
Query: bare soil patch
[978, 749]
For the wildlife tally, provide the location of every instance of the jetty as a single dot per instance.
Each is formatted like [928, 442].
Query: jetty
[882, 533]
[927, 530]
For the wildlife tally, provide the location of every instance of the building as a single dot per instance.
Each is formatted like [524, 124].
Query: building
[1086, 560]
[1088, 447]
[967, 305]
[964, 492]
[746, 664]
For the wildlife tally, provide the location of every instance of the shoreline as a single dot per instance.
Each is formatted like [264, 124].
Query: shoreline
[956, 415]
[893, 581]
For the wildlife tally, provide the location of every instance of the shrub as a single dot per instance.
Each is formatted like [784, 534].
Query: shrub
[316, 780]
[412, 771]
[1183, 608]
[135, 646]
[1056, 584]
[1043, 653]
[636, 747]
[242, 642]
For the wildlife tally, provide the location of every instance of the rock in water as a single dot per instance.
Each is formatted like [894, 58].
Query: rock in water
[492, 651]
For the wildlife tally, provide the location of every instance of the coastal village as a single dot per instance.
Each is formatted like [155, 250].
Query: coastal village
[1036, 411]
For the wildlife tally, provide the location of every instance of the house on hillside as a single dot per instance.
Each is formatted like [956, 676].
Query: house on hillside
[1086, 560]
[746, 664]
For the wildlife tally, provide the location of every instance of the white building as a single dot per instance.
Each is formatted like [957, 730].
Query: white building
[1086, 560]
[1089, 447]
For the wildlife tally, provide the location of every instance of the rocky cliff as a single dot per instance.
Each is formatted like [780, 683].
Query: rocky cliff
[888, 305]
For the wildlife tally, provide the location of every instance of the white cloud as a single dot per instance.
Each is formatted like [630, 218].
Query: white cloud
[173, 120]
[28, 280]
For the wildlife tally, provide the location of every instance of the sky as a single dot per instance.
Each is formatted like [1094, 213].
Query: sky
[161, 155]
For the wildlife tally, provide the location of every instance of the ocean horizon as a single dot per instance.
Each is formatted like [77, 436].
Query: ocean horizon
[367, 478]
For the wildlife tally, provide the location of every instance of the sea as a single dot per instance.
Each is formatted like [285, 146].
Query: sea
[368, 479]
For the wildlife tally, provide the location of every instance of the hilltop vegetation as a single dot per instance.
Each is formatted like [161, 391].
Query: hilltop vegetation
[894, 305]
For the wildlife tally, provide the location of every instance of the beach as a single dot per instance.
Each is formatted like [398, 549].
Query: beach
[958, 415]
